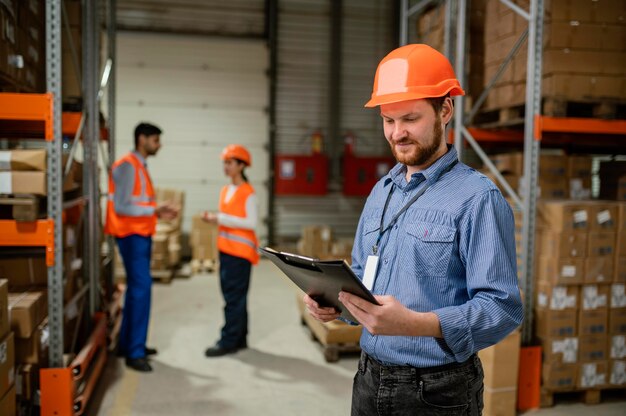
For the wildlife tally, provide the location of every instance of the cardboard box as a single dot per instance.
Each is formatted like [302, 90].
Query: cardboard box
[568, 216]
[7, 363]
[561, 271]
[559, 377]
[24, 272]
[203, 239]
[617, 321]
[579, 166]
[617, 346]
[549, 323]
[18, 182]
[23, 159]
[500, 362]
[27, 310]
[593, 375]
[562, 245]
[618, 373]
[557, 297]
[7, 403]
[592, 348]
[4, 307]
[599, 269]
[499, 402]
[594, 297]
[34, 349]
[556, 187]
[593, 322]
[620, 269]
[26, 381]
[618, 296]
[601, 244]
[604, 216]
[316, 240]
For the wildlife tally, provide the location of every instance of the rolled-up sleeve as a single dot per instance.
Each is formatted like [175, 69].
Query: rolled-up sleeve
[487, 248]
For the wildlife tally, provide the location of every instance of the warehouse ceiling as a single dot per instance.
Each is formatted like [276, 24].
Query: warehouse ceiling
[204, 17]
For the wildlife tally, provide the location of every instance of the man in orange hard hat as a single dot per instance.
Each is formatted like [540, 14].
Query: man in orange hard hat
[435, 244]
[131, 218]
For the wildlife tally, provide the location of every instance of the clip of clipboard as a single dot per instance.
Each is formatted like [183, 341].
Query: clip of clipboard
[322, 280]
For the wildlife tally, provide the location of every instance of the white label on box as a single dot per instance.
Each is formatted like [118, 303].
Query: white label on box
[588, 377]
[618, 295]
[325, 234]
[76, 264]
[542, 300]
[591, 299]
[568, 271]
[3, 352]
[5, 160]
[618, 373]
[5, 183]
[580, 216]
[618, 346]
[287, 169]
[568, 347]
[604, 216]
[45, 336]
[560, 300]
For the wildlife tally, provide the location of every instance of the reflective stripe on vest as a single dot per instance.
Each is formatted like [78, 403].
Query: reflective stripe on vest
[237, 238]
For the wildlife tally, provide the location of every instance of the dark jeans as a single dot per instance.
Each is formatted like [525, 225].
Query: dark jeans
[450, 390]
[234, 281]
[135, 251]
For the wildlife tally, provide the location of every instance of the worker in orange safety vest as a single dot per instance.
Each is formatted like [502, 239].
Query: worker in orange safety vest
[131, 218]
[237, 245]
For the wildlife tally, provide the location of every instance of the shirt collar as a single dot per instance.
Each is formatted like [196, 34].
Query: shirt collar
[432, 173]
[140, 157]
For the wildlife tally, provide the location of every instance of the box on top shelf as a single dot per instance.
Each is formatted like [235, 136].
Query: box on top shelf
[27, 309]
[603, 216]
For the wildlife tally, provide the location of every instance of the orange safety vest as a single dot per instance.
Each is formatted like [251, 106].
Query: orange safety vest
[121, 226]
[237, 242]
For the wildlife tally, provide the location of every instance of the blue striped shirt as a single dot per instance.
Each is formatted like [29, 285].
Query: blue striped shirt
[452, 253]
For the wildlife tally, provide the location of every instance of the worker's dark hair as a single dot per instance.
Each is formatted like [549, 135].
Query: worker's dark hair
[243, 173]
[437, 102]
[146, 129]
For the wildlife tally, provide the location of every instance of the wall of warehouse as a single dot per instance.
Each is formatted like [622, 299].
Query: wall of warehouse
[302, 98]
[217, 93]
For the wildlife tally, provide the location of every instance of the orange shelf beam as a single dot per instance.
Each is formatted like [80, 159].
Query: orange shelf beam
[582, 125]
[28, 107]
[29, 234]
[71, 121]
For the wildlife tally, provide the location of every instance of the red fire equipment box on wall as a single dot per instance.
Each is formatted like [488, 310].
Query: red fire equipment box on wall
[360, 174]
[301, 175]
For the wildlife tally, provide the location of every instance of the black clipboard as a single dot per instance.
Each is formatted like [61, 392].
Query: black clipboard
[321, 279]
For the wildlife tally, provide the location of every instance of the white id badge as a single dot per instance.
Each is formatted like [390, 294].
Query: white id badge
[370, 271]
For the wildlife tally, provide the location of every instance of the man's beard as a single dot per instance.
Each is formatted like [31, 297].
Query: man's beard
[421, 154]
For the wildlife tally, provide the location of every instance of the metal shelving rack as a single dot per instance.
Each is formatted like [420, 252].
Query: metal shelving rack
[535, 124]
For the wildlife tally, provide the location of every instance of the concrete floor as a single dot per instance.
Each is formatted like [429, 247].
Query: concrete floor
[281, 373]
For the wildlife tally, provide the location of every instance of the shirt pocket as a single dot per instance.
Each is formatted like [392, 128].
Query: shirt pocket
[431, 247]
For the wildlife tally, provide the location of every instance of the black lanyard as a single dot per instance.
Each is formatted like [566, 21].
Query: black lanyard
[384, 229]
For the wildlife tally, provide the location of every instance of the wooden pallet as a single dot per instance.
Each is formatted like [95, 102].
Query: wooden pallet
[203, 266]
[589, 397]
[335, 337]
[513, 116]
[22, 207]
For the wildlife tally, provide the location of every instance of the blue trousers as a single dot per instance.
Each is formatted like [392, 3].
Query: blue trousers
[136, 251]
[234, 282]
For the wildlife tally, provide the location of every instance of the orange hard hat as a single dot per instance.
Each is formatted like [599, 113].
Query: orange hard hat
[413, 72]
[237, 151]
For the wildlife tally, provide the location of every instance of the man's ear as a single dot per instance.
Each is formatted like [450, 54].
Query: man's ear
[447, 110]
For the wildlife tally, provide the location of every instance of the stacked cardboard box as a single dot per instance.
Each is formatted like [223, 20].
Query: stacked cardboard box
[584, 55]
[166, 243]
[203, 241]
[22, 47]
[581, 306]
[318, 241]
[23, 172]
[7, 355]
[500, 365]
[560, 176]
